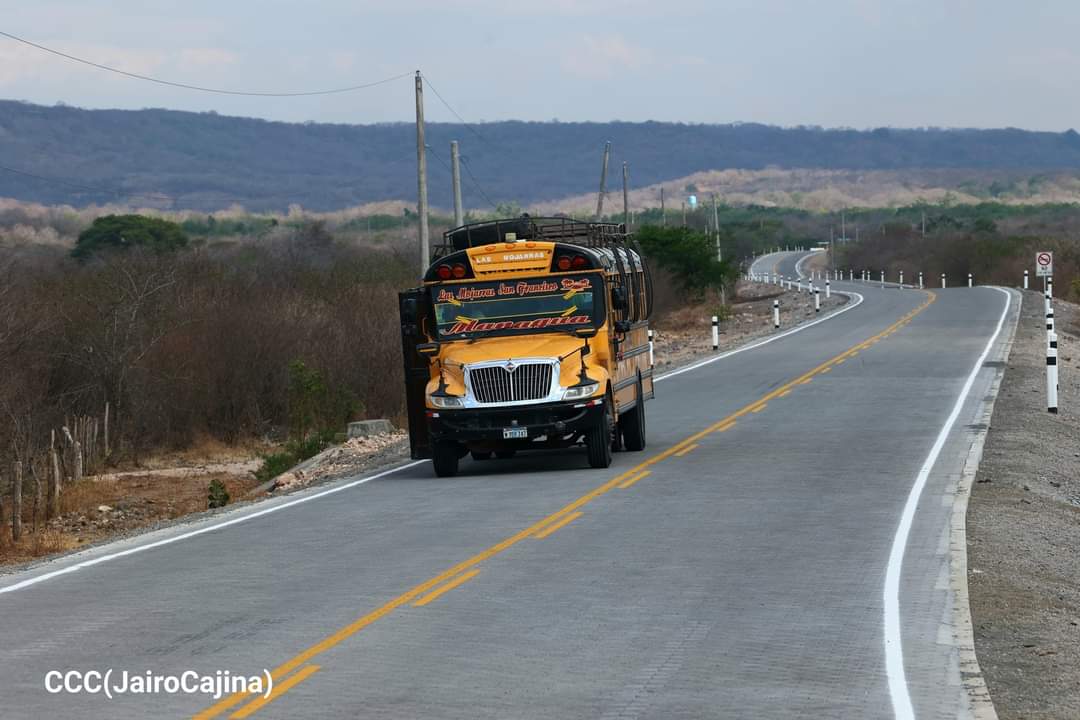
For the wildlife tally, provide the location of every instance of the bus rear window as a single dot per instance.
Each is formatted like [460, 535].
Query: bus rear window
[507, 307]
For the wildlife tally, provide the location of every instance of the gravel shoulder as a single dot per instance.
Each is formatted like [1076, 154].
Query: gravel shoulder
[1023, 528]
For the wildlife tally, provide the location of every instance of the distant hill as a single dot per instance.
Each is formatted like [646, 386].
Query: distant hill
[207, 161]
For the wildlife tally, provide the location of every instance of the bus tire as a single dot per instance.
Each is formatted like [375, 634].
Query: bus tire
[444, 458]
[480, 455]
[632, 423]
[598, 440]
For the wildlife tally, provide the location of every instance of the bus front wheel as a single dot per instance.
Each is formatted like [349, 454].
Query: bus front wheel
[598, 440]
[444, 458]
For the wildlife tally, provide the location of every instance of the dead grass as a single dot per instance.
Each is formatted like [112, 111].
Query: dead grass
[130, 503]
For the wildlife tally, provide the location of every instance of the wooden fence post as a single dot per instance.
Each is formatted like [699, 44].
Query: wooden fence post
[78, 461]
[16, 504]
[38, 505]
[54, 488]
[106, 429]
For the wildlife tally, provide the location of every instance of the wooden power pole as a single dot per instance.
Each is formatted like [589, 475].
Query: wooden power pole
[626, 195]
[421, 177]
[663, 210]
[603, 182]
[455, 165]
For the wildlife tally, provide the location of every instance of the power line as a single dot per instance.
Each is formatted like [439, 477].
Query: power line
[476, 185]
[89, 188]
[200, 88]
[454, 112]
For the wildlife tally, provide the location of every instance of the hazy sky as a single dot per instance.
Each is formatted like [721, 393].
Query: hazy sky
[858, 63]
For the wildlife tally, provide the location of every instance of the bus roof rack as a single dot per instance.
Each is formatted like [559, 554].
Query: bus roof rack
[526, 227]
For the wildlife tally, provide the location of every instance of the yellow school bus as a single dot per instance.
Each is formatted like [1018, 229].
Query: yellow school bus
[528, 333]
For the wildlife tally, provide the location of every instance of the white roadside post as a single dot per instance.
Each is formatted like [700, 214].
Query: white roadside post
[817, 299]
[920, 280]
[1050, 319]
[901, 279]
[882, 279]
[828, 290]
[715, 333]
[799, 283]
[776, 314]
[652, 358]
[851, 276]
[1052, 375]
[969, 279]
[1050, 287]
[942, 281]
[1025, 279]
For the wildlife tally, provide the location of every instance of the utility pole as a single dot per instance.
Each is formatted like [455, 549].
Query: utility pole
[843, 226]
[421, 176]
[455, 165]
[626, 195]
[716, 228]
[663, 210]
[684, 213]
[603, 182]
[924, 223]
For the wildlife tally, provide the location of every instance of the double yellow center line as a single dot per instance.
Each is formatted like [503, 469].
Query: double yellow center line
[429, 590]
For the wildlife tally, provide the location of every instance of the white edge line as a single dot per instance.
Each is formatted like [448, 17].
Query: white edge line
[201, 531]
[771, 338]
[894, 652]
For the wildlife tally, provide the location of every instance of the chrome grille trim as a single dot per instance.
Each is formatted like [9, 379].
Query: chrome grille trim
[528, 381]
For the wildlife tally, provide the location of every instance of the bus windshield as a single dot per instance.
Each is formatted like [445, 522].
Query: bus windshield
[519, 306]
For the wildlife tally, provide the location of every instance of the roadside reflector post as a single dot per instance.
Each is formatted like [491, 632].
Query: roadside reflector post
[1025, 279]
[1052, 374]
[942, 281]
[1050, 319]
[817, 299]
[882, 278]
[828, 290]
[799, 281]
[851, 276]
[1050, 287]
[901, 279]
[715, 333]
[776, 314]
[920, 280]
[652, 358]
[969, 279]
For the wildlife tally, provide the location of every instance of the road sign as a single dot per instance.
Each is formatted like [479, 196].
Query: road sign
[1044, 264]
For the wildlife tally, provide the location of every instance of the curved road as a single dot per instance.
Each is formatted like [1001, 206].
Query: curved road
[781, 549]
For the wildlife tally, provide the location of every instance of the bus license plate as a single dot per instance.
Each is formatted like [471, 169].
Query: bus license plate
[515, 432]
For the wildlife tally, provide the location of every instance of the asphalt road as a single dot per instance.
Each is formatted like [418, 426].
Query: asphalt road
[746, 575]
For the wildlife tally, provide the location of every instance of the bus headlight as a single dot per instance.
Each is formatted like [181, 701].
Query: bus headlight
[445, 402]
[580, 391]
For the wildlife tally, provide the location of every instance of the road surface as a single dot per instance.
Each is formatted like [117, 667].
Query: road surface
[766, 556]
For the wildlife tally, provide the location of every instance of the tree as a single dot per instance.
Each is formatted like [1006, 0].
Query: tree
[688, 254]
[120, 232]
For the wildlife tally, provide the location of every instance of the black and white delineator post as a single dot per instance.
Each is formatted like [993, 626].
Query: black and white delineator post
[776, 314]
[942, 281]
[851, 276]
[901, 279]
[1050, 319]
[652, 358]
[883, 279]
[1025, 279]
[969, 279]
[1050, 287]
[828, 290]
[817, 299]
[715, 333]
[920, 280]
[1052, 374]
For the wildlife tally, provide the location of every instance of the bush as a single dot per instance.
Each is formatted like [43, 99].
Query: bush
[120, 232]
[687, 254]
[218, 496]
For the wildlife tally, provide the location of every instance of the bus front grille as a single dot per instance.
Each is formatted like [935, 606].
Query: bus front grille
[497, 384]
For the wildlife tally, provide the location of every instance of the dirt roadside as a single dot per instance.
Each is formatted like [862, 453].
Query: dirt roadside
[1023, 529]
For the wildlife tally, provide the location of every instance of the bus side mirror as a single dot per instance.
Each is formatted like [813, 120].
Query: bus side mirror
[585, 333]
[409, 311]
[428, 349]
[618, 298]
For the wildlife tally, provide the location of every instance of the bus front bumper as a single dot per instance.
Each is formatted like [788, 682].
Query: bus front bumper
[514, 425]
